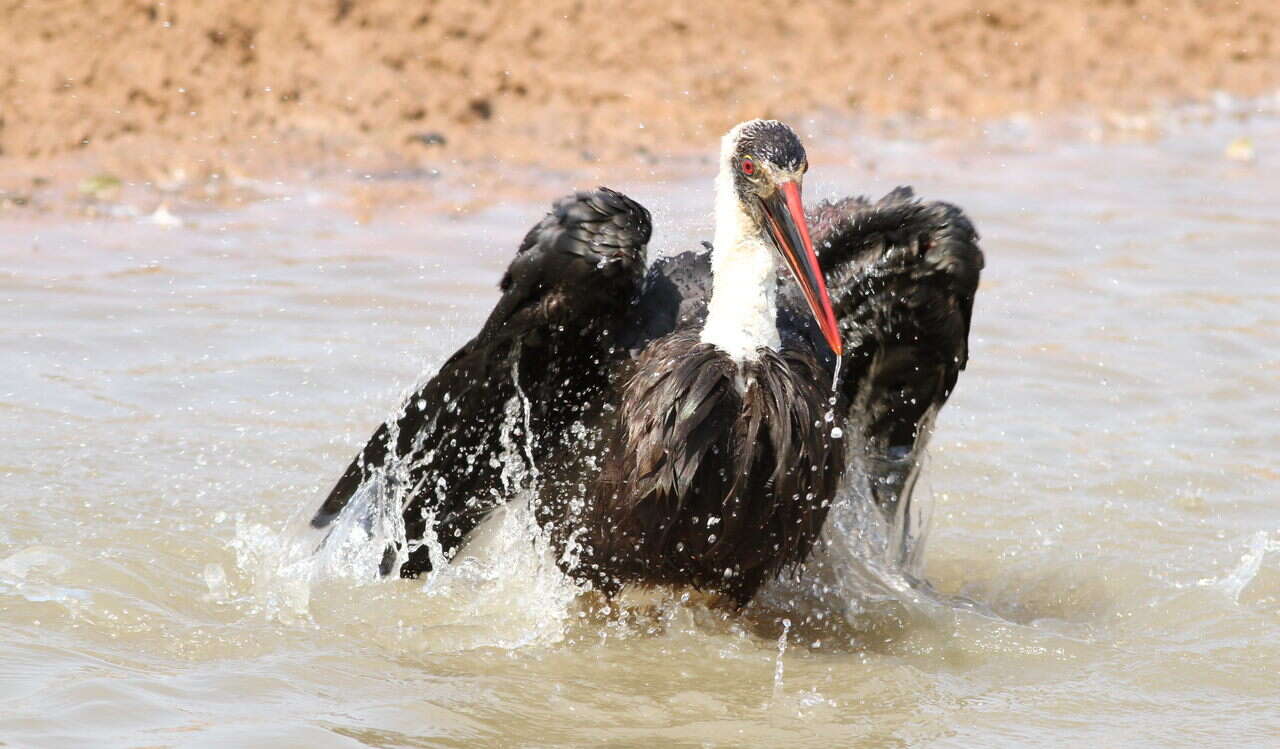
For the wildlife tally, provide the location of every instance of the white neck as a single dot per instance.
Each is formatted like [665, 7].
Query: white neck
[742, 315]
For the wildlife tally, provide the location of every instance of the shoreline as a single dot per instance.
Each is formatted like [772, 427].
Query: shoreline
[125, 184]
[180, 95]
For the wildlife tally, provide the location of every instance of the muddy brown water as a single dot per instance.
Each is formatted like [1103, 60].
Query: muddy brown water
[1104, 483]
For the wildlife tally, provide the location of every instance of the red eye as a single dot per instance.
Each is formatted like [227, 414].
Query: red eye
[748, 167]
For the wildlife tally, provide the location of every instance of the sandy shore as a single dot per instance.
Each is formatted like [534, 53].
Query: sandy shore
[150, 90]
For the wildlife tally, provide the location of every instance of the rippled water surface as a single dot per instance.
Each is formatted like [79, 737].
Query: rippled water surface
[1104, 481]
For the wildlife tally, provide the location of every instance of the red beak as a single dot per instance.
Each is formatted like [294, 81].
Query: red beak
[784, 213]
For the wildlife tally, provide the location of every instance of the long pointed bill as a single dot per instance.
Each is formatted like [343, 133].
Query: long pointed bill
[784, 214]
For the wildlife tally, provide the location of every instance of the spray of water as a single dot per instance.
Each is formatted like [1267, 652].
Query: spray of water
[1234, 582]
[504, 586]
[782, 651]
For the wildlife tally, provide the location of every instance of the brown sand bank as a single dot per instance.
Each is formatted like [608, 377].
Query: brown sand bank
[566, 82]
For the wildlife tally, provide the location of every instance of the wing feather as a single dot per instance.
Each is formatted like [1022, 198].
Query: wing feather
[565, 297]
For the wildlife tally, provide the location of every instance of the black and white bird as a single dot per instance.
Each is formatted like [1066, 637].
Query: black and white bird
[680, 424]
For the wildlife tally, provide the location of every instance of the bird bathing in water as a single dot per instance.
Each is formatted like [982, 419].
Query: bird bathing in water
[678, 422]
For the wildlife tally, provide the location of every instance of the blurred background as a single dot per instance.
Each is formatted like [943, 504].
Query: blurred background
[178, 91]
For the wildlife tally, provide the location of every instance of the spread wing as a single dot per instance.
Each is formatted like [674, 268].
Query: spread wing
[461, 443]
[902, 274]
[676, 291]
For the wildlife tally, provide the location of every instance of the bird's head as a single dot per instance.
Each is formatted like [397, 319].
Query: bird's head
[766, 163]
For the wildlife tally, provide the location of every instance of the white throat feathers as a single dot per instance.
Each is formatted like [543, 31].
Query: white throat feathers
[742, 315]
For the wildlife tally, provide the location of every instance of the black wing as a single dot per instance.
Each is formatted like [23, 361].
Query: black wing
[676, 291]
[462, 441]
[902, 276]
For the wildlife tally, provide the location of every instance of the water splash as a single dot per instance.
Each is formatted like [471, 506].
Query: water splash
[778, 665]
[870, 557]
[502, 588]
[526, 416]
[36, 573]
[1235, 581]
[215, 577]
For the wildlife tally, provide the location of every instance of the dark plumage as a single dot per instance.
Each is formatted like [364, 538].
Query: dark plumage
[772, 141]
[902, 274]
[716, 477]
[675, 295]
[563, 301]
[661, 460]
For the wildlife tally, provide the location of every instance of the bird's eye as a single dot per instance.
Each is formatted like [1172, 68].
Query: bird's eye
[748, 167]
